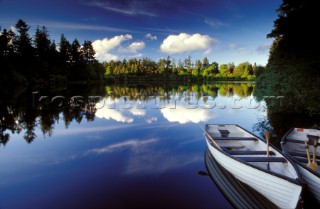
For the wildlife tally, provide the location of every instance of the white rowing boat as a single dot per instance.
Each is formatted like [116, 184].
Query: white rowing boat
[247, 158]
[239, 194]
[293, 146]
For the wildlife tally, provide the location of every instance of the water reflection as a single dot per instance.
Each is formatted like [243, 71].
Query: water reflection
[293, 103]
[134, 146]
[43, 109]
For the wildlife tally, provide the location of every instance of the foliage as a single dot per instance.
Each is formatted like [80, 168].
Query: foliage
[37, 62]
[167, 69]
[293, 69]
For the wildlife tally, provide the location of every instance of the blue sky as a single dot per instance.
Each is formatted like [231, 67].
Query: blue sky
[224, 31]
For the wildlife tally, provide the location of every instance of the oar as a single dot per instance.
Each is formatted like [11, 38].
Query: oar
[267, 135]
[314, 163]
[309, 165]
[213, 141]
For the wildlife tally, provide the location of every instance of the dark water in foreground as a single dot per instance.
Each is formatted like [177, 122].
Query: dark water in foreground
[138, 147]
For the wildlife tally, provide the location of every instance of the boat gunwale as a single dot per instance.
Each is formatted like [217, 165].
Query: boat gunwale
[288, 155]
[298, 181]
[230, 199]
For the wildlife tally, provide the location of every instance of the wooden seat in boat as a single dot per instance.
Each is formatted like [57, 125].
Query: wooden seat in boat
[299, 154]
[263, 159]
[236, 138]
[248, 152]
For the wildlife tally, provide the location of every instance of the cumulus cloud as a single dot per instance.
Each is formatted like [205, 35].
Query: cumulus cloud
[133, 47]
[106, 57]
[104, 46]
[185, 42]
[114, 114]
[137, 112]
[151, 37]
[183, 115]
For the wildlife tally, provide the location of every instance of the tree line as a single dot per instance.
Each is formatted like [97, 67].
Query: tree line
[38, 60]
[171, 69]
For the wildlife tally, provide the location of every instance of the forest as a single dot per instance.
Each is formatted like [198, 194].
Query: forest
[293, 69]
[171, 70]
[38, 61]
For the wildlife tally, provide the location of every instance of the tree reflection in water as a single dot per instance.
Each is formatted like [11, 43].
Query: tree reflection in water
[24, 111]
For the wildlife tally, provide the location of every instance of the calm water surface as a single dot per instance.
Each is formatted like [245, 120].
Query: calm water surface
[132, 148]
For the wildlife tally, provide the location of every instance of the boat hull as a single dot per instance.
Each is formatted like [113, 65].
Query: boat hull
[297, 136]
[280, 191]
[312, 180]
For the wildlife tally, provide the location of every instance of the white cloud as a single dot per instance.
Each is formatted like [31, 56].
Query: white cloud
[185, 42]
[113, 114]
[183, 115]
[133, 47]
[138, 112]
[13, 29]
[152, 119]
[108, 113]
[106, 57]
[133, 144]
[151, 37]
[104, 46]
[215, 23]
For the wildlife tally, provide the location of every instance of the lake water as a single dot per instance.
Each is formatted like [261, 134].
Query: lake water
[127, 147]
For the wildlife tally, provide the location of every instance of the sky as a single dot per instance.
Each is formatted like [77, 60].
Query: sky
[223, 31]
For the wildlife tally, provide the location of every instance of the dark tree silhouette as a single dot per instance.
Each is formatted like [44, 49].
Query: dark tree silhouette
[42, 43]
[88, 52]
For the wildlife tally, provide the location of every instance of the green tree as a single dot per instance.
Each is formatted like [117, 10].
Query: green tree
[181, 70]
[188, 65]
[224, 70]
[167, 66]
[243, 70]
[198, 68]
[215, 67]
[205, 63]
[161, 65]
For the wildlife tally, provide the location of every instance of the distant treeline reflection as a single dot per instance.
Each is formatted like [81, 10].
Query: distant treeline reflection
[21, 111]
